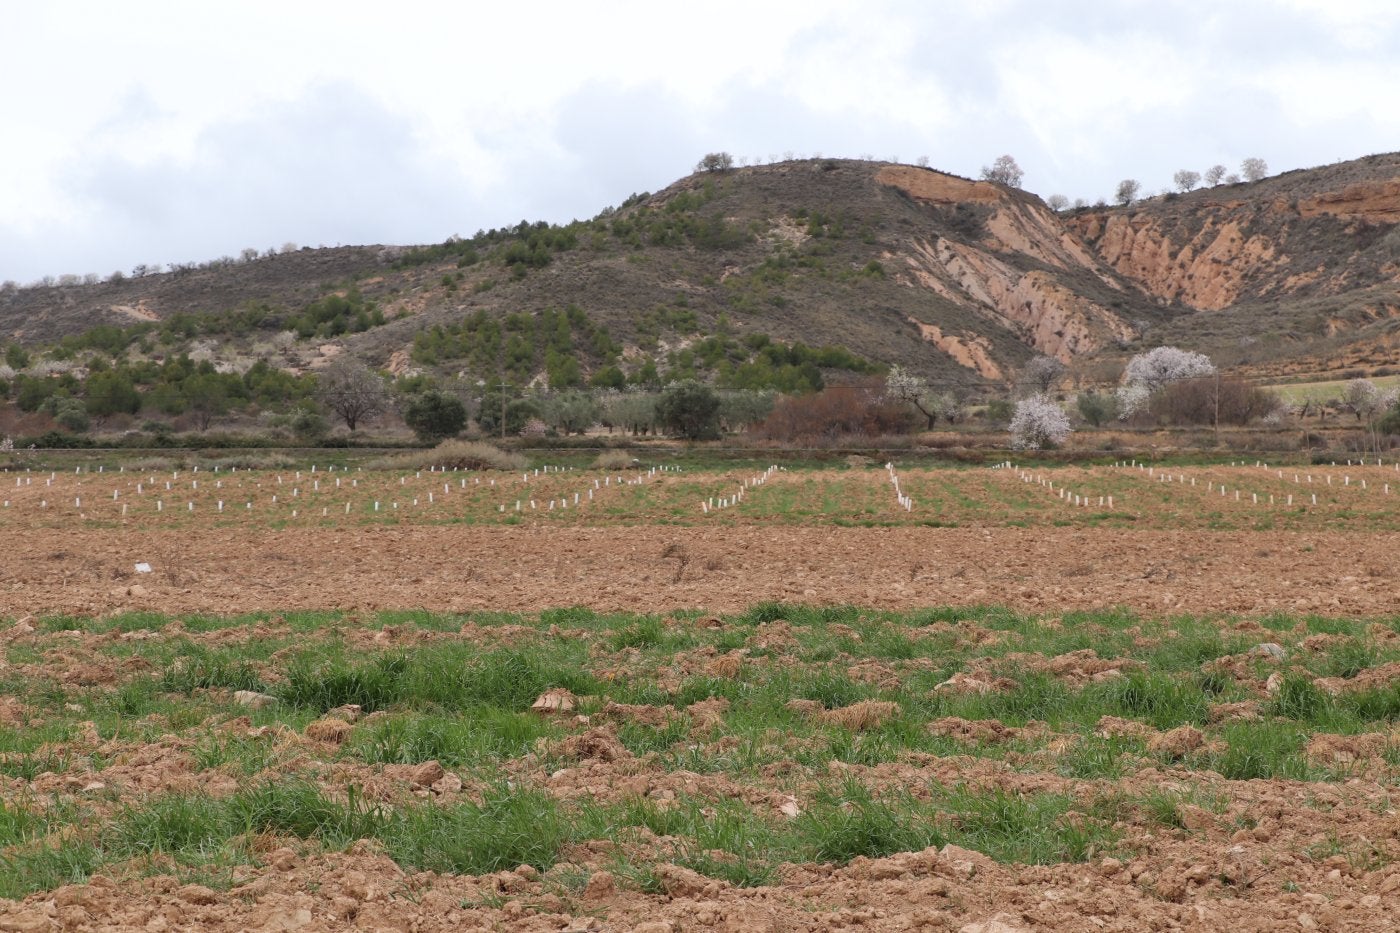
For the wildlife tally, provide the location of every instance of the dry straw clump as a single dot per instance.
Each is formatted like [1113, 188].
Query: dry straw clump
[454, 455]
[616, 460]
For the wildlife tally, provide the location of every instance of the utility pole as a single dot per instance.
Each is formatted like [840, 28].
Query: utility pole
[1217, 408]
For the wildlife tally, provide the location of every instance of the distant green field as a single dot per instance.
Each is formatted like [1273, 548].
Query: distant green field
[1324, 391]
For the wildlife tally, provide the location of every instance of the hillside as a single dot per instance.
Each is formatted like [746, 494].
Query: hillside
[960, 280]
[1295, 274]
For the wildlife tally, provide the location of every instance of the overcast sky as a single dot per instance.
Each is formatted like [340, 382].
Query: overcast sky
[145, 132]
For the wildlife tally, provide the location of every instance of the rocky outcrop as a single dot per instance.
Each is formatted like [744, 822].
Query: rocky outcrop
[989, 276]
[1209, 271]
[1043, 313]
[1374, 202]
[971, 350]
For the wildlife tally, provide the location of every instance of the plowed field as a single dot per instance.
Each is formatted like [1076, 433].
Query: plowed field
[1064, 699]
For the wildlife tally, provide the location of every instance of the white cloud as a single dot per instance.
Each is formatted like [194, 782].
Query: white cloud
[178, 131]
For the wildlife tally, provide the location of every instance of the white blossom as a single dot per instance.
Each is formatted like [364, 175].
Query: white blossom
[1038, 422]
[1162, 365]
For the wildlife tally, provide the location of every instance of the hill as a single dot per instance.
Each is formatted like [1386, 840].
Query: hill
[722, 273]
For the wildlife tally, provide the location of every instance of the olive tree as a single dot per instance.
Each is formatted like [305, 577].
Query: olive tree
[572, 412]
[690, 409]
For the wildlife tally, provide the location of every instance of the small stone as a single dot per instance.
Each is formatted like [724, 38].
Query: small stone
[283, 859]
[253, 699]
[196, 894]
[558, 700]
[679, 882]
[335, 731]
[600, 887]
[963, 862]
[1274, 683]
[350, 712]
[449, 783]
[1271, 650]
[1177, 742]
[1001, 923]
[1196, 819]
[427, 774]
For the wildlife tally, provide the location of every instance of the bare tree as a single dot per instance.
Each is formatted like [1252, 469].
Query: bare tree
[352, 390]
[1232, 179]
[1042, 374]
[1370, 403]
[1214, 174]
[1186, 179]
[1057, 202]
[1127, 191]
[1004, 171]
[1254, 168]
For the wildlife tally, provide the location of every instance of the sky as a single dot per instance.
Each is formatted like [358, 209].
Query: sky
[168, 132]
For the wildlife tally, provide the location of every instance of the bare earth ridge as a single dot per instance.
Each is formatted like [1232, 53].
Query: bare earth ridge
[457, 568]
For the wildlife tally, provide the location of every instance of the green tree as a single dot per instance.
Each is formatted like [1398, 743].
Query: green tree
[69, 413]
[433, 416]
[33, 391]
[206, 397]
[609, 377]
[572, 412]
[1097, 409]
[690, 409]
[715, 162]
[16, 357]
[110, 393]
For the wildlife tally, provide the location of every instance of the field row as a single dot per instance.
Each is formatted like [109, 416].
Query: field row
[1198, 498]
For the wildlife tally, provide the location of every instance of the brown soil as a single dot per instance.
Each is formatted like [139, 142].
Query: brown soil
[89, 571]
[1261, 864]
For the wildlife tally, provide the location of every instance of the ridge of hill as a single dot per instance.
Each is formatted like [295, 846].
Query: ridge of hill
[960, 280]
